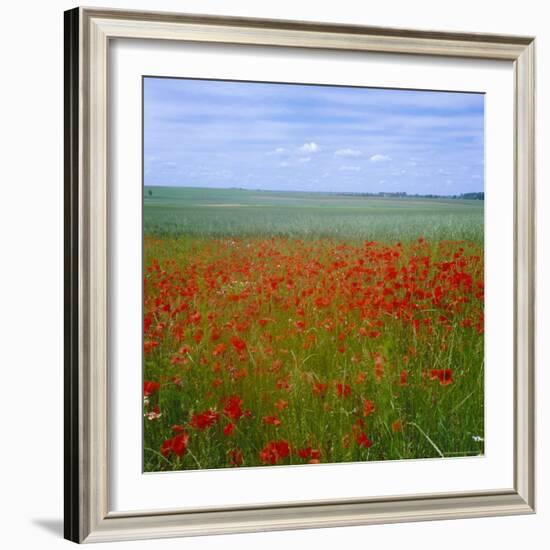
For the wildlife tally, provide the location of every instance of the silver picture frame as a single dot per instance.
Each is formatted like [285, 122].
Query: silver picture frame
[87, 37]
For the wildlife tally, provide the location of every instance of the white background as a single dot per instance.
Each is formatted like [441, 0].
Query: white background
[31, 231]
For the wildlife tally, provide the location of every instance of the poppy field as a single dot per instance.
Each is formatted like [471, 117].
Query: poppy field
[315, 328]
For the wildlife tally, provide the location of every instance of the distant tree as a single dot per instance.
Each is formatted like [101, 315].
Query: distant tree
[150, 192]
[479, 196]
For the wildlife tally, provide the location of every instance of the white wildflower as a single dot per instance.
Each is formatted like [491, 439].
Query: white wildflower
[152, 415]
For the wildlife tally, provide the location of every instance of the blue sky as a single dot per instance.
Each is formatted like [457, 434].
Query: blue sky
[202, 133]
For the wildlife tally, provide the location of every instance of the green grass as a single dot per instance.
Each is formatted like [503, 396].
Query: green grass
[228, 282]
[217, 262]
[237, 212]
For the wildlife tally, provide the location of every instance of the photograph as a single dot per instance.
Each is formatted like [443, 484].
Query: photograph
[299, 269]
[313, 274]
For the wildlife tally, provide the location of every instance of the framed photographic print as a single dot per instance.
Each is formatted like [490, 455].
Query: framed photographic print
[299, 275]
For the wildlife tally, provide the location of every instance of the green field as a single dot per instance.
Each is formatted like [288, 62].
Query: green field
[299, 328]
[237, 212]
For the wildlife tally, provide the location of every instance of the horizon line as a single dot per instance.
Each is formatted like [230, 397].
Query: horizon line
[232, 188]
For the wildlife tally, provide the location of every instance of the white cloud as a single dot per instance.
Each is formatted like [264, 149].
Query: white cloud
[347, 168]
[305, 159]
[348, 153]
[278, 151]
[284, 164]
[380, 158]
[311, 147]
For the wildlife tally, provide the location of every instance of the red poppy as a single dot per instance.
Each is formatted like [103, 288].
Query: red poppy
[319, 388]
[343, 390]
[233, 407]
[235, 457]
[271, 420]
[368, 407]
[179, 444]
[397, 426]
[274, 452]
[219, 349]
[281, 404]
[149, 388]
[308, 453]
[195, 317]
[322, 301]
[363, 440]
[147, 322]
[403, 377]
[166, 448]
[176, 445]
[228, 430]
[282, 384]
[238, 344]
[445, 376]
[149, 346]
[204, 420]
